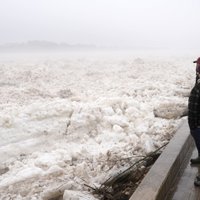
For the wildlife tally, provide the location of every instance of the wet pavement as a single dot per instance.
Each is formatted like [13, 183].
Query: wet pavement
[185, 188]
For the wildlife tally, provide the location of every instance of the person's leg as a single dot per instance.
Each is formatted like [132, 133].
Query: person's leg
[196, 135]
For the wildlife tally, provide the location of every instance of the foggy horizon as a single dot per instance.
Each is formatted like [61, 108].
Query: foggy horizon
[121, 24]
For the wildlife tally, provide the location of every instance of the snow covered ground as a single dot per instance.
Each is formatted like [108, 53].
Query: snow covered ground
[69, 119]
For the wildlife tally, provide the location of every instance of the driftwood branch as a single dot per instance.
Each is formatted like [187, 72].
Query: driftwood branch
[122, 185]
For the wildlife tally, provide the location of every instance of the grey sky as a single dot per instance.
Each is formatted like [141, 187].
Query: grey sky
[134, 23]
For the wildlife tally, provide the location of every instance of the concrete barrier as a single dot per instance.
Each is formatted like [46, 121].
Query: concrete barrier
[161, 179]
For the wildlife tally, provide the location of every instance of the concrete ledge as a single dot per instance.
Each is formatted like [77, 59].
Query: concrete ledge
[162, 177]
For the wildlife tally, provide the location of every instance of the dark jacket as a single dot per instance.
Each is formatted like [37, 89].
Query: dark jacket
[194, 107]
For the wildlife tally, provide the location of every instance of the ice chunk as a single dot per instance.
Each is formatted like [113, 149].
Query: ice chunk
[117, 128]
[147, 143]
[77, 195]
[118, 120]
[170, 110]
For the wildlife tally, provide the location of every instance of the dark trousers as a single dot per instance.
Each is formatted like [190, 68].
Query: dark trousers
[196, 135]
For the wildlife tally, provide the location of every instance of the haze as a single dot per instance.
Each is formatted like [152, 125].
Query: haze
[113, 23]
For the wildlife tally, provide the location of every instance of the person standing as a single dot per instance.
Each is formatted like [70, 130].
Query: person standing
[194, 112]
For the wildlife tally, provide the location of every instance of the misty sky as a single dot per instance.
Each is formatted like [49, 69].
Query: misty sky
[121, 23]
